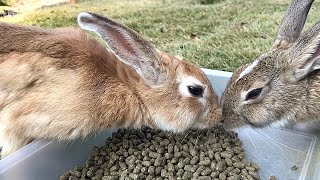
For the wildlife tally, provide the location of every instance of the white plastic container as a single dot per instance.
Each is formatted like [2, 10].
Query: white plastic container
[275, 150]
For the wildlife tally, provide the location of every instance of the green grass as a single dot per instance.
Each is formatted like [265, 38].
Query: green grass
[229, 33]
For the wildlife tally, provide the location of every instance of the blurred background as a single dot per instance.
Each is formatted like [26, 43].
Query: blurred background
[215, 34]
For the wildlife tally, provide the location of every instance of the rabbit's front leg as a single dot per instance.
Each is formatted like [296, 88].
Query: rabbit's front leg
[11, 142]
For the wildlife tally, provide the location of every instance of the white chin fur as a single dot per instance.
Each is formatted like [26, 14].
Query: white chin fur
[177, 127]
[280, 123]
[200, 126]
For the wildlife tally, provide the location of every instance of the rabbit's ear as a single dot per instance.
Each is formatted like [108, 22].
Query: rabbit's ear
[304, 56]
[127, 45]
[292, 23]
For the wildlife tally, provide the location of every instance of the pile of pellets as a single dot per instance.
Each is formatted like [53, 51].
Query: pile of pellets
[154, 154]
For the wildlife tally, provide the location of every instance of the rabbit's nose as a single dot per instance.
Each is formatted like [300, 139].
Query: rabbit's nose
[215, 117]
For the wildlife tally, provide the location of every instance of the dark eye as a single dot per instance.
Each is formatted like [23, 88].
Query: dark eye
[196, 90]
[253, 94]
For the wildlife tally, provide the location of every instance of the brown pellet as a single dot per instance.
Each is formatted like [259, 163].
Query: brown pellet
[194, 160]
[226, 154]
[229, 162]
[222, 176]
[206, 172]
[189, 168]
[110, 178]
[221, 165]
[249, 168]
[205, 162]
[204, 178]
[272, 177]
[217, 156]
[238, 165]
[146, 163]
[254, 175]
[158, 170]
[154, 154]
[294, 168]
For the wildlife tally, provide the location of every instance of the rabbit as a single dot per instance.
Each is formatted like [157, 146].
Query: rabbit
[62, 84]
[280, 88]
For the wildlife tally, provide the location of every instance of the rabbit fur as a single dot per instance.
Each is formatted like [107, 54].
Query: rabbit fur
[62, 84]
[281, 87]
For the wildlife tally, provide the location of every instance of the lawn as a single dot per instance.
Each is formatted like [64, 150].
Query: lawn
[222, 35]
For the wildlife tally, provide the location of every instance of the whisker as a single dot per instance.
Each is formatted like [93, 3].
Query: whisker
[251, 141]
[85, 138]
[272, 142]
[198, 136]
[186, 135]
[69, 142]
[280, 143]
[171, 135]
[263, 138]
[207, 130]
[242, 123]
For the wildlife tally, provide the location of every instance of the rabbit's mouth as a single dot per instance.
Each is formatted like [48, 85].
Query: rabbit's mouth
[200, 126]
[246, 121]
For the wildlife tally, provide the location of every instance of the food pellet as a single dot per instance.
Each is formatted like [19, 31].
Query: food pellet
[154, 154]
[294, 168]
[272, 178]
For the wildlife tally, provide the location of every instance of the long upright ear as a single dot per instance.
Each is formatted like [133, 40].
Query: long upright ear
[127, 45]
[304, 55]
[292, 23]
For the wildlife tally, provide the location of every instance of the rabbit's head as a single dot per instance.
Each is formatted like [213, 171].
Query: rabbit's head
[177, 95]
[279, 87]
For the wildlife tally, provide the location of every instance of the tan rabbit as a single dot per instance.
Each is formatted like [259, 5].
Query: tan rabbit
[62, 84]
[282, 86]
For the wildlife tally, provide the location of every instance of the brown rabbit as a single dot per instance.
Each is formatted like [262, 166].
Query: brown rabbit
[282, 86]
[62, 84]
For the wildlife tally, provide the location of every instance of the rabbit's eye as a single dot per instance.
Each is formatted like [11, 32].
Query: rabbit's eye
[253, 94]
[196, 90]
